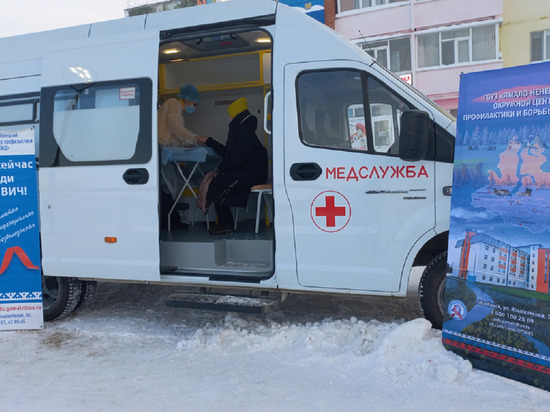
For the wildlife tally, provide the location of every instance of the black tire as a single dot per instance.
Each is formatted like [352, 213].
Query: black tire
[431, 290]
[89, 288]
[59, 296]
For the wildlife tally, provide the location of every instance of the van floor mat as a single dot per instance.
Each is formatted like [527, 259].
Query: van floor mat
[223, 302]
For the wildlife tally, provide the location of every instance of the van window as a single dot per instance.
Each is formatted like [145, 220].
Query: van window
[386, 109]
[332, 106]
[97, 123]
[18, 112]
[324, 99]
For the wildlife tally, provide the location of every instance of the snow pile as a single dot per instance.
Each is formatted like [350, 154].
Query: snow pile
[129, 352]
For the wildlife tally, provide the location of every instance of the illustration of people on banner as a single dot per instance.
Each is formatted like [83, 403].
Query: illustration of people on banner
[20, 275]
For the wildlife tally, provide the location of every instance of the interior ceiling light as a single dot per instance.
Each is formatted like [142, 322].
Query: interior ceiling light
[171, 51]
[263, 40]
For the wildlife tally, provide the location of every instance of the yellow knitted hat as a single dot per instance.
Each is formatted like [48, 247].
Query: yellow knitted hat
[237, 107]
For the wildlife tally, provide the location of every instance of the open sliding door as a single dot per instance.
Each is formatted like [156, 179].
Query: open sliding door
[98, 158]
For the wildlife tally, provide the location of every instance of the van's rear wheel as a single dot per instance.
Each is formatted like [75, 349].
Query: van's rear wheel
[60, 296]
[89, 288]
[431, 290]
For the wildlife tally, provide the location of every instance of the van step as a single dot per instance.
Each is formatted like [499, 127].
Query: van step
[223, 302]
[218, 256]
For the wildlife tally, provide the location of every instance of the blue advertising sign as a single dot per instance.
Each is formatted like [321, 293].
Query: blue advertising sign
[497, 292]
[313, 8]
[20, 275]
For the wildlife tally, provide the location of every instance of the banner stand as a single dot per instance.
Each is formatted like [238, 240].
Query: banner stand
[497, 295]
[20, 274]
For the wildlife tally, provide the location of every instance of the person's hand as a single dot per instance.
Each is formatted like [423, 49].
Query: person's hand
[202, 139]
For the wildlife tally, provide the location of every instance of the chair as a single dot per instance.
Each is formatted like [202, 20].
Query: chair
[263, 191]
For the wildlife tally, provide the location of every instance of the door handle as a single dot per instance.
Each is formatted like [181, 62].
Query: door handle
[136, 176]
[305, 171]
[267, 113]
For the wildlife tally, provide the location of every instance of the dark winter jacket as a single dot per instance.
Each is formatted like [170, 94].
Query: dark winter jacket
[243, 164]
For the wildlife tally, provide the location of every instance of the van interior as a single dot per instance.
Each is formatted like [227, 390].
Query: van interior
[224, 66]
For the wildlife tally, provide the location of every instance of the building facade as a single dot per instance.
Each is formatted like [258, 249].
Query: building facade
[485, 259]
[525, 32]
[539, 269]
[429, 43]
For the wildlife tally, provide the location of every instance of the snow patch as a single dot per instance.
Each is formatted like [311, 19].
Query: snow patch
[133, 353]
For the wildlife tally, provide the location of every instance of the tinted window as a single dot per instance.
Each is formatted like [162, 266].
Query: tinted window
[99, 123]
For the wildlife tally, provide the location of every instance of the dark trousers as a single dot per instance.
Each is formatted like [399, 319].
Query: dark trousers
[225, 217]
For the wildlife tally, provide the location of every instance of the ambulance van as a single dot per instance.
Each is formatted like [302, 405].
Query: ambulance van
[360, 164]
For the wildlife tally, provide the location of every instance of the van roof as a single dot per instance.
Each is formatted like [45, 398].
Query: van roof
[30, 46]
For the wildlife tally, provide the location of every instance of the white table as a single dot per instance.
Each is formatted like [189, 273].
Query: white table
[189, 155]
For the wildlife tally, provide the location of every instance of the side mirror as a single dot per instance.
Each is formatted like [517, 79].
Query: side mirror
[414, 136]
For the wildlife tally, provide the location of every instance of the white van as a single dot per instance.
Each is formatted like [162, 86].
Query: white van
[342, 218]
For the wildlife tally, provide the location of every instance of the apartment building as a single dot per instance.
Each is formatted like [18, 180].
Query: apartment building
[485, 259]
[539, 269]
[525, 32]
[428, 43]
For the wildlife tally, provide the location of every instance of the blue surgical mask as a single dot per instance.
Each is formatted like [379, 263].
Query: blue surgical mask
[189, 109]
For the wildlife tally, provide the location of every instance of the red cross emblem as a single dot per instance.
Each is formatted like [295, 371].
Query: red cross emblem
[330, 211]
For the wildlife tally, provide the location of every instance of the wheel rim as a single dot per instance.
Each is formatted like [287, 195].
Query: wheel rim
[50, 291]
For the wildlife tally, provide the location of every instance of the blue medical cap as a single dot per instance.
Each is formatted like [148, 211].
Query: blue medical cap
[189, 92]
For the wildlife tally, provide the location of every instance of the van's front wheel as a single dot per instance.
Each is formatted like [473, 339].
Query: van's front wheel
[60, 296]
[431, 290]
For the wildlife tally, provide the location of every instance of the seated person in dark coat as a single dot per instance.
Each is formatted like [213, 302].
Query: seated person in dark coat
[243, 165]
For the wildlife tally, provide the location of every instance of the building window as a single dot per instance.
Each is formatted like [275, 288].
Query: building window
[393, 54]
[540, 45]
[459, 46]
[347, 5]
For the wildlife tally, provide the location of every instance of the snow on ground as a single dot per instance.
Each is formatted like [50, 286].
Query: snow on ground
[129, 352]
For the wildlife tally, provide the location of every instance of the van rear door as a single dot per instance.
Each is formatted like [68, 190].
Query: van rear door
[98, 158]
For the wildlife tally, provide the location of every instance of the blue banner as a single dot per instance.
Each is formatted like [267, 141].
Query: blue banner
[20, 275]
[497, 287]
[313, 8]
